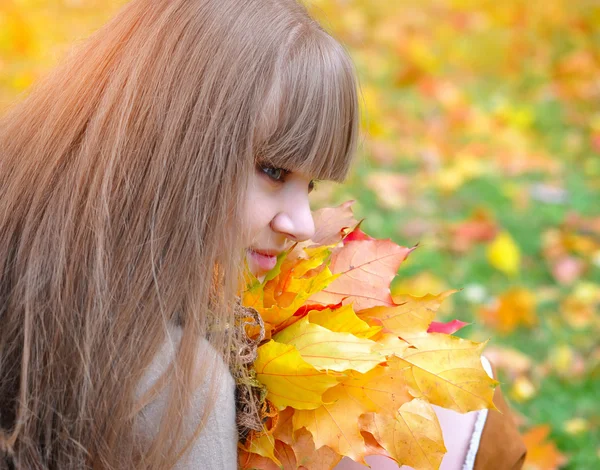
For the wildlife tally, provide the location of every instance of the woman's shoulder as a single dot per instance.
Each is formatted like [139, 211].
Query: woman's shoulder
[497, 426]
[217, 442]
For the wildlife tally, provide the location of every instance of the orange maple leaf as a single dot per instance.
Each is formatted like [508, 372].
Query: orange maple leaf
[335, 424]
[310, 458]
[541, 453]
[332, 223]
[513, 308]
[365, 269]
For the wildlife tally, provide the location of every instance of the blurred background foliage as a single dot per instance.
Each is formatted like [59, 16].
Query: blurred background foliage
[481, 144]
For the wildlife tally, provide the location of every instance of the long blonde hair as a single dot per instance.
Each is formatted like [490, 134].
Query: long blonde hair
[122, 183]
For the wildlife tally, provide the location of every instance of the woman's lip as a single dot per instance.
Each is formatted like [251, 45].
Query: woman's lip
[263, 262]
[265, 252]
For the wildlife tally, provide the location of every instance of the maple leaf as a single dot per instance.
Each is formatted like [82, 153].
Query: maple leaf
[389, 344]
[410, 318]
[513, 308]
[311, 458]
[447, 328]
[541, 454]
[290, 380]
[331, 223]
[286, 455]
[344, 320]
[357, 235]
[479, 228]
[365, 269]
[283, 430]
[334, 424]
[250, 461]
[379, 390]
[264, 446]
[412, 436]
[302, 443]
[447, 371]
[283, 457]
[329, 350]
[373, 447]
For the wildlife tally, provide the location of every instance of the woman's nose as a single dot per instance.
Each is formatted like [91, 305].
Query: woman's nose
[295, 221]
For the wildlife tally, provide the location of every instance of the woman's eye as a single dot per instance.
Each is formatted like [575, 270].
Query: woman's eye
[312, 185]
[276, 174]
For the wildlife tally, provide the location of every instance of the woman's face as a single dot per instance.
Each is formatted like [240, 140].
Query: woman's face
[277, 214]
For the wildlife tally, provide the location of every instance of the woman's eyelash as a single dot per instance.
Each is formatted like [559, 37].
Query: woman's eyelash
[279, 174]
[275, 173]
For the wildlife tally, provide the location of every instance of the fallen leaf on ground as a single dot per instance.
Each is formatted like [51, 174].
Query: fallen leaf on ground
[504, 254]
[479, 228]
[523, 389]
[516, 307]
[541, 453]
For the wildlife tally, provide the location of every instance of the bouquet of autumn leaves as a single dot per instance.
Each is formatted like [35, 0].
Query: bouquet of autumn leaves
[348, 369]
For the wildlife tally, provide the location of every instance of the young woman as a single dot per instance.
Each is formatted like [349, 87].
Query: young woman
[134, 179]
[178, 141]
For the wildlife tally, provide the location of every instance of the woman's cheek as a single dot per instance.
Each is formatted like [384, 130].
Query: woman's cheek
[260, 208]
[257, 220]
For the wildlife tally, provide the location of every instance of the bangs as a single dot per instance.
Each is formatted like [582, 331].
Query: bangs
[310, 120]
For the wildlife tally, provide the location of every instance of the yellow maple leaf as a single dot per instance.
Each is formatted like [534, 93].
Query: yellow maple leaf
[290, 380]
[389, 344]
[504, 254]
[342, 319]
[379, 390]
[330, 350]
[263, 445]
[412, 436]
[410, 318]
[447, 371]
[335, 423]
